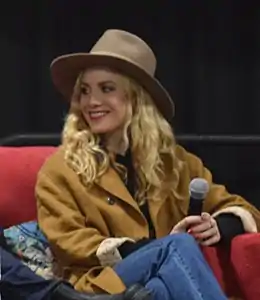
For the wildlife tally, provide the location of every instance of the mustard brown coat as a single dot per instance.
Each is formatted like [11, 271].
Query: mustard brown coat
[77, 220]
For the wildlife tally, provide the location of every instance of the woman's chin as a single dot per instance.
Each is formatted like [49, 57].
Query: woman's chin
[102, 130]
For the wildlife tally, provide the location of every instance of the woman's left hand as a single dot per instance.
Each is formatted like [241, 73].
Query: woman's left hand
[207, 232]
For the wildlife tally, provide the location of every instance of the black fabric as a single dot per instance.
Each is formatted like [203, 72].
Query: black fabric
[3, 241]
[129, 247]
[229, 227]
[145, 210]
[126, 161]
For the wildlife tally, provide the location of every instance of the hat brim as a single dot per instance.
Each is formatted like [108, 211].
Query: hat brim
[65, 70]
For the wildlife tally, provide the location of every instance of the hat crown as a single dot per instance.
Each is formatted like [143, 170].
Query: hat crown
[127, 46]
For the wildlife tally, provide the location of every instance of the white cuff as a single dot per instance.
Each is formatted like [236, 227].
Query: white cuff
[107, 252]
[245, 216]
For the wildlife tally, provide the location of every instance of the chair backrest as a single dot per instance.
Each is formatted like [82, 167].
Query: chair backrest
[18, 172]
[20, 162]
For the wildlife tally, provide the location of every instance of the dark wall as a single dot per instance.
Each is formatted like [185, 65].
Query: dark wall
[208, 58]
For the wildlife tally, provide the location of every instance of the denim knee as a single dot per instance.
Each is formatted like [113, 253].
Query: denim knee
[182, 240]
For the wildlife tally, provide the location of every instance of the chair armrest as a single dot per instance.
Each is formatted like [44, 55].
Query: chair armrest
[245, 258]
[219, 261]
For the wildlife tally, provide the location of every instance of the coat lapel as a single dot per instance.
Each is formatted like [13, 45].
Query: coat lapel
[113, 184]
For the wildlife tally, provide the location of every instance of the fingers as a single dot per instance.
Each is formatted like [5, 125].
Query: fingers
[211, 241]
[191, 220]
[206, 225]
[204, 228]
[206, 234]
[188, 222]
[205, 216]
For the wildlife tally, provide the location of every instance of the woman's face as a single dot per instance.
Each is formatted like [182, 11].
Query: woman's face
[102, 101]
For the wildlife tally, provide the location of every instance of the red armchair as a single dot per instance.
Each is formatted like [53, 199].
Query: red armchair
[237, 269]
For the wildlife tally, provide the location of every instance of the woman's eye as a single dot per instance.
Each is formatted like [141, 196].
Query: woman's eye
[84, 90]
[107, 89]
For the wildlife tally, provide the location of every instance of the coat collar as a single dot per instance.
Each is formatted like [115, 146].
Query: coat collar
[113, 184]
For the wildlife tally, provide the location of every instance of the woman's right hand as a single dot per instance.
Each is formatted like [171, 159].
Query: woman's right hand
[185, 224]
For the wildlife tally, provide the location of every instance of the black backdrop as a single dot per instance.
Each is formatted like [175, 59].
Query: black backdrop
[208, 58]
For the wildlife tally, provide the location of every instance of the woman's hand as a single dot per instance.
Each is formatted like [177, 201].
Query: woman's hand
[207, 232]
[185, 224]
[204, 228]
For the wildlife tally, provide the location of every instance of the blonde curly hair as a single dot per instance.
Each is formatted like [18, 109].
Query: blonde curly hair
[147, 133]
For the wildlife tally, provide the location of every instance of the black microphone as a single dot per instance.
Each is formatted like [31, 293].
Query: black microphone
[198, 190]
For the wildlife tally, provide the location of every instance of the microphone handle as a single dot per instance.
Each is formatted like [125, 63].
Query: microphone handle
[195, 207]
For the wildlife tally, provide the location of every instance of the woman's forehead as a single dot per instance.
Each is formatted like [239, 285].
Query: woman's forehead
[99, 74]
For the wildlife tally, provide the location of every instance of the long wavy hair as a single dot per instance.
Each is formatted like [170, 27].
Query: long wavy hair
[146, 132]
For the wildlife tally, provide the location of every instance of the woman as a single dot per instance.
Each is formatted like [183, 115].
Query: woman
[113, 199]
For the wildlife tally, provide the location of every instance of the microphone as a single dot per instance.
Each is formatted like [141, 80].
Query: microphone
[198, 190]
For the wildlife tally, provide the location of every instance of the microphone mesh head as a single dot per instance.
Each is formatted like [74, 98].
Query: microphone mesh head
[198, 188]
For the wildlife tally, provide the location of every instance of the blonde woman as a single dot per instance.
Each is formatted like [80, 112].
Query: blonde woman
[113, 199]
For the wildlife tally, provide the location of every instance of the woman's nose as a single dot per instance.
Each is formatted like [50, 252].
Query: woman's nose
[94, 101]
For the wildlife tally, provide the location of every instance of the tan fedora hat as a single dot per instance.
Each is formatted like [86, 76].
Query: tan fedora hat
[121, 51]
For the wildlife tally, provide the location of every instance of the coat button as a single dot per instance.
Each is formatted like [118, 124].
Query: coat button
[110, 201]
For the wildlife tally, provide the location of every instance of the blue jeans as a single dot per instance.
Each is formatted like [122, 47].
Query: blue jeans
[19, 282]
[172, 268]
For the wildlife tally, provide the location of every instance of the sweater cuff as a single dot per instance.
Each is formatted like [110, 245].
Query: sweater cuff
[108, 253]
[245, 216]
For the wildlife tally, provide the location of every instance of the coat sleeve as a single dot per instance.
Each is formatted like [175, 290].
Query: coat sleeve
[219, 200]
[74, 237]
